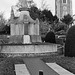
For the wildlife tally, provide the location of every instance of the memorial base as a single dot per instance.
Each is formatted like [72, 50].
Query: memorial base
[27, 49]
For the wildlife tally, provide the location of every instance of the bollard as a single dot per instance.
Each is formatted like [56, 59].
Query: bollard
[40, 72]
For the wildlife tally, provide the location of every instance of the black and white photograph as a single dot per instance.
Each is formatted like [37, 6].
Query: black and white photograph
[37, 37]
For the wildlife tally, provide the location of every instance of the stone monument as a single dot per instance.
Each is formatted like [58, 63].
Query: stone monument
[24, 37]
[24, 26]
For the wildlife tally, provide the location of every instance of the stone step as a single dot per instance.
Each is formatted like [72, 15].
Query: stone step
[59, 69]
[21, 69]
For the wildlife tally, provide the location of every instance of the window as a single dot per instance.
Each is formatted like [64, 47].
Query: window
[64, 1]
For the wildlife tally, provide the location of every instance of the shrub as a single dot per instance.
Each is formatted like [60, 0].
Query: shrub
[50, 37]
[70, 42]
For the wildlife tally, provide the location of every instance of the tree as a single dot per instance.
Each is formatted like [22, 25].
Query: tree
[18, 5]
[31, 3]
[70, 42]
[4, 29]
[2, 19]
[44, 5]
[34, 12]
[67, 19]
[47, 15]
[55, 19]
[44, 15]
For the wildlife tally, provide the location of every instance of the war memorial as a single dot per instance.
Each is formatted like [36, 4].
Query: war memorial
[24, 46]
[24, 35]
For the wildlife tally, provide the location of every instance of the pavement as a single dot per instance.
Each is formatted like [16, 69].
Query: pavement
[34, 65]
[21, 69]
[59, 69]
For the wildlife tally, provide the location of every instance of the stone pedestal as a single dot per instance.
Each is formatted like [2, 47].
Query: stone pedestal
[12, 29]
[35, 38]
[15, 39]
[17, 29]
[25, 26]
[33, 29]
[26, 39]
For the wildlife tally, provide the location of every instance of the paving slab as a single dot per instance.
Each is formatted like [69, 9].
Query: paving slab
[21, 69]
[34, 65]
[59, 69]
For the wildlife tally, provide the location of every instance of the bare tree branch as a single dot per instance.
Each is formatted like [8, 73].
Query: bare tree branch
[44, 5]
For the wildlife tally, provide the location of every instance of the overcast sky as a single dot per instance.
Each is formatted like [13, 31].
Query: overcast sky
[5, 6]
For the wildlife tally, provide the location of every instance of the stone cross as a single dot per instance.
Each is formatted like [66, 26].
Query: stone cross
[23, 3]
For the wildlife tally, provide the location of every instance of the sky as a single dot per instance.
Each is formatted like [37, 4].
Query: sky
[5, 6]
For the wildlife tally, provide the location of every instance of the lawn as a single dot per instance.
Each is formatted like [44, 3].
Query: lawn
[66, 62]
[7, 64]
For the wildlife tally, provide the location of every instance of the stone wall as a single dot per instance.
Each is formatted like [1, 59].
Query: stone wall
[28, 48]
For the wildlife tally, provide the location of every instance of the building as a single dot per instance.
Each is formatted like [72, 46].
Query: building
[63, 7]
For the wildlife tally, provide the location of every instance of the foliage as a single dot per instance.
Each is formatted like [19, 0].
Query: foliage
[31, 3]
[44, 26]
[54, 22]
[2, 19]
[47, 15]
[70, 42]
[60, 26]
[4, 29]
[7, 65]
[50, 37]
[44, 15]
[55, 19]
[67, 19]
[34, 12]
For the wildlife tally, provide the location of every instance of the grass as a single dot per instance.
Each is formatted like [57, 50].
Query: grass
[66, 62]
[7, 64]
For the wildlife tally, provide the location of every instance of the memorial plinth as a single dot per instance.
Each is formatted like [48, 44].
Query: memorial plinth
[26, 27]
[25, 37]
[12, 50]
